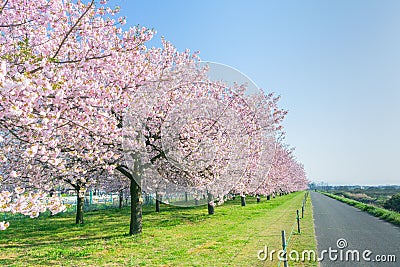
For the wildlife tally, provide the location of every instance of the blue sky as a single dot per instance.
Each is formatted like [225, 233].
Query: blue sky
[336, 65]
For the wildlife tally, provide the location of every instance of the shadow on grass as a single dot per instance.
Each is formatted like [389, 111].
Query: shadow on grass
[61, 229]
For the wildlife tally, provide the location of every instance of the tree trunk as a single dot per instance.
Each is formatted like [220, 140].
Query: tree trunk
[136, 209]
[186, 197]
[121, 198]
[80, 200]
[210, 204]
[269, 197]
[258, 199]
[51, 195]
[157, 202]
[243, 200]
[135, 191]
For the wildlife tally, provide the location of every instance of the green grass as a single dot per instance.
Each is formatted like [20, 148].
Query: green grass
[306, 239]
[173, 237]
[387, 215]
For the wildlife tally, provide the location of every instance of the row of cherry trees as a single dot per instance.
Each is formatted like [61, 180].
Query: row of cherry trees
[86, 104]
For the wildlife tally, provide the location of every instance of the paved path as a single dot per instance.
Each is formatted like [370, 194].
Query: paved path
[336, 220]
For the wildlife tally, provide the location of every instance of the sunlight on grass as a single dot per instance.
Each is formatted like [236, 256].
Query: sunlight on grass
[173, 237]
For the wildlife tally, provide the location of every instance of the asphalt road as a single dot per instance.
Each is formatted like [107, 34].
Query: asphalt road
[335, 220]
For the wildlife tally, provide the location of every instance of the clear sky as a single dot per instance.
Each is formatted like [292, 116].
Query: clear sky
[336, 65]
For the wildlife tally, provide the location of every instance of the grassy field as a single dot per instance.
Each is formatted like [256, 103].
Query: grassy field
[387, 215]
[173, 237]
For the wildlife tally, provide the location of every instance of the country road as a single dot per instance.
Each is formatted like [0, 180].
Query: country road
[362, 232]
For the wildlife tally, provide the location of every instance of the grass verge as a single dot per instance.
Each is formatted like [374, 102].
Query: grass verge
[387, 215]
[306, 240]
[173, 237]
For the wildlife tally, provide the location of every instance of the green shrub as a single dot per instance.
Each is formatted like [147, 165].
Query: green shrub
[393, 203]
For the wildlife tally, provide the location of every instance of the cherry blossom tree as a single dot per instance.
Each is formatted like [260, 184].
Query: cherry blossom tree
[30, 203]
[71, 59]
[286, 174]
[78, 78]
[188, 110]
[269, 117]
